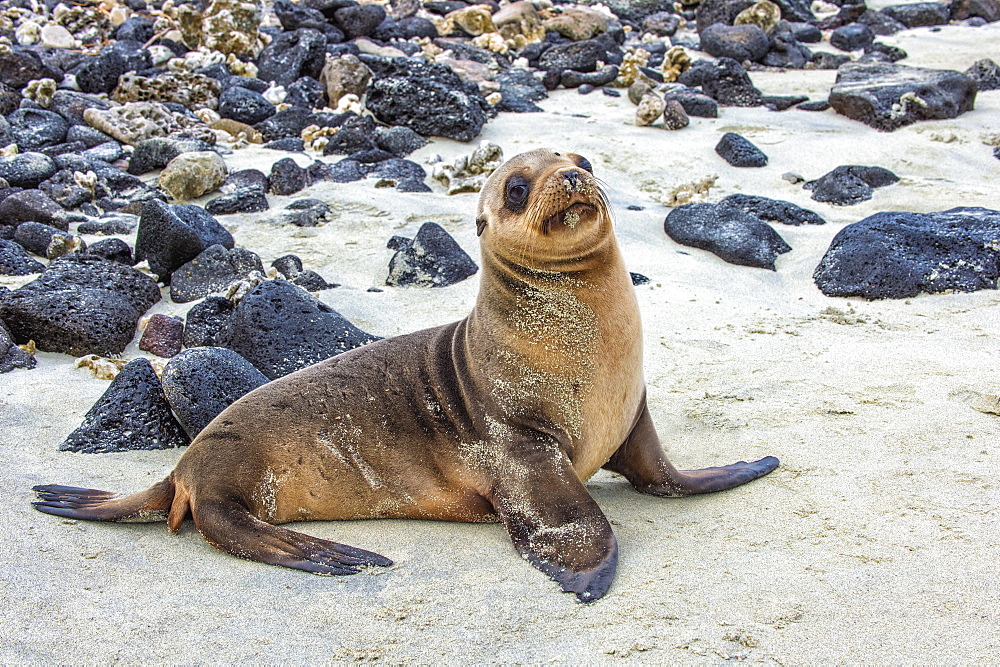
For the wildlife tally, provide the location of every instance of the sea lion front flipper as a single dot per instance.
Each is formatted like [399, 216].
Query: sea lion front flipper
[227, 525]
[643, 462]
[554, 522]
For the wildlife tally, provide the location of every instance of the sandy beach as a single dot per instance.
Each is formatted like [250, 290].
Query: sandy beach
[875, 540]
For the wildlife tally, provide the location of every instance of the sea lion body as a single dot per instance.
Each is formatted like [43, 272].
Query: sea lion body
[500, 416]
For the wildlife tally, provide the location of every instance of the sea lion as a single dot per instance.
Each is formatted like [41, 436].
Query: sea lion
[500, 416]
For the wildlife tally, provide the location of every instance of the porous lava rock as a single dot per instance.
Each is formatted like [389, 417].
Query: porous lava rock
[897, 255]
[132, 414]
[735, 236]
[202, 382]
[279, 328]
[81, 304]
[888, 96]
[431, 259]
[169, 236]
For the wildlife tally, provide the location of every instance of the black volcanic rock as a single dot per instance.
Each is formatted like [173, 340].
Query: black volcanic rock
[735, 236]
[202, 382]
[431, 259]
[850, 184]
[887, 96]
[81, 304]
[280, 328]
[169, 236]
[897, 255]
[132, 414]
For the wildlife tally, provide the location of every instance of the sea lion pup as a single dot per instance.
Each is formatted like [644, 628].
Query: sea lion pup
[500, 416]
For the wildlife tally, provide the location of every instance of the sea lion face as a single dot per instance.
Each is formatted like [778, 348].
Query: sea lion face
[543, 207]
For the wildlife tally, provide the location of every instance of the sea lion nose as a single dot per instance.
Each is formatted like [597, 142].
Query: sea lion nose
[571, 179]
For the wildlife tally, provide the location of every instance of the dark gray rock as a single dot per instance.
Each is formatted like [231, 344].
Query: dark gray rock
[773, 210]
[287, 177]
[985, 73]
[850, 184]
[431, 259]
[786, 51]
[71, 105]
[885, 51]
[710, 12]
[87, 136]
[578, 56]
[919, 14]
[212, 271]
[32, 205]
[739, 151]
[519, 90]
[27, 170]
[987, 10]
[169, 236]
[400, 141]
[291, 55]
[739, 42]
[897, 255]
[694, 102]
[37, 238]
[852, 37]
[285, 124]
[735, 236]
[244, 105]
[306, 212]
[294, 16]
[727, 83]
[880, 24]
[207, 322]
[112, 249]
[662, 24]
[637, 11]
[826, 60]
[240, 200]
[807, 33]
[200, 383]
[357, 133]
[428, 98]
[888, 96]
[280, 328]
[109, 151]
[11, 356]
[15, 260]
[152, 154]
[782, 102]
[397, 169]
[115, 223]
[19, 66]
[248, 178]
[796, 10]
[288, 145]
[99, 74]
[81, 304]
[359, 20]
[305, 92]
[602, 77]
[34, 129]
[132, 414]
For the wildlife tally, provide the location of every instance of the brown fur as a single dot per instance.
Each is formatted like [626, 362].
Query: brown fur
[501, 415]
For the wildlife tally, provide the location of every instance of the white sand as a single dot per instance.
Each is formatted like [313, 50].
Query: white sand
[875, 541]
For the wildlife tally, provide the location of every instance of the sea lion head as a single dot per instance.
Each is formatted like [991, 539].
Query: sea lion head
[544, 208]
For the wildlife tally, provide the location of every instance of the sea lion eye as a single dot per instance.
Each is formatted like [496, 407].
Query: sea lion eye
[584, 163]
[516, 195]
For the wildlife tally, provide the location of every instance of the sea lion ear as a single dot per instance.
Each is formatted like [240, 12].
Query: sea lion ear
[480, 225]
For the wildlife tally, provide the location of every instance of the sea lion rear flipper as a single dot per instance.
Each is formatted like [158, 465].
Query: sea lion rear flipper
[555, 524]
[643, 462]
[229, 526]
[92, 505]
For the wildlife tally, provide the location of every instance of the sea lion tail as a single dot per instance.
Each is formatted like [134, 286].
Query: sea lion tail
[92, 505]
